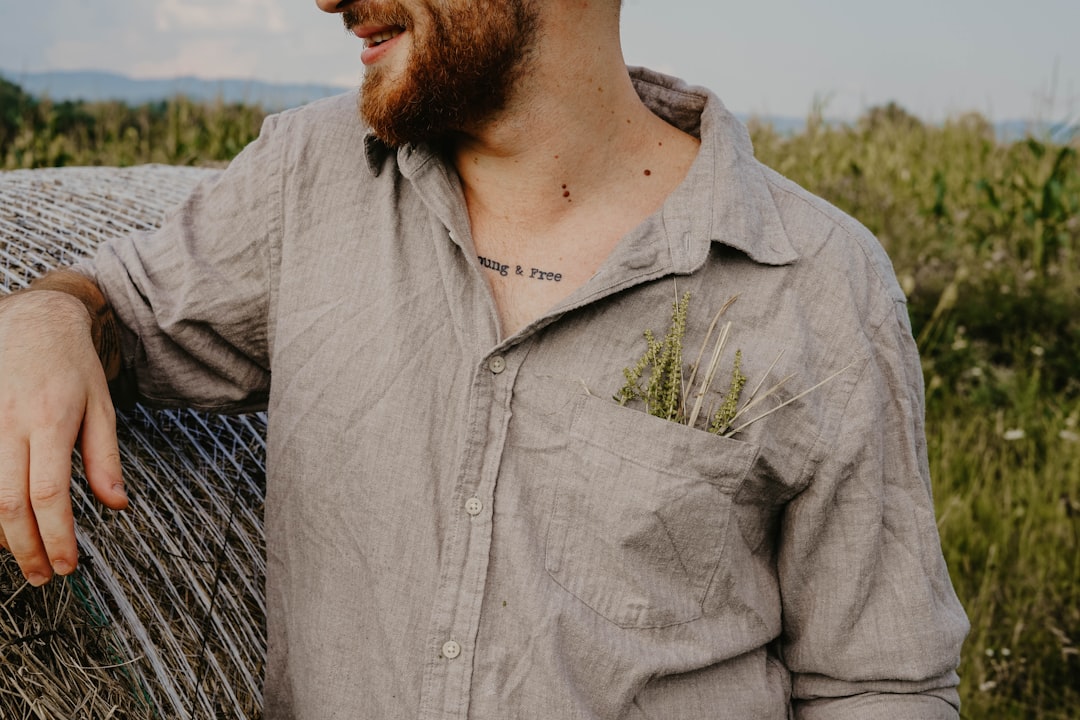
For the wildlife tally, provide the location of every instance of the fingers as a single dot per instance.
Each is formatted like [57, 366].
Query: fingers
[36, 520]
[17, 520]
[35, 493]
[50, 497]
[100, 452]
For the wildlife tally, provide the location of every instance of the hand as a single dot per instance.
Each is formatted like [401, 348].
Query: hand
[53, 393]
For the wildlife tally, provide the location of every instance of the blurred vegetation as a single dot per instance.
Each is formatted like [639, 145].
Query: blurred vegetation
[983, 236]
[40, 133]
[985, 239]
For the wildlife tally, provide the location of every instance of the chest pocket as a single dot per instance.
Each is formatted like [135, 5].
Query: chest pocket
[641, 514]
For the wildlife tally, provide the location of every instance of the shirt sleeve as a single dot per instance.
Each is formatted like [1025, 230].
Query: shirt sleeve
[872, 625]
[194, 297]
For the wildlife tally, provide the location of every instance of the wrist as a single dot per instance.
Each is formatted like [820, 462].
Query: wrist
[104, 330]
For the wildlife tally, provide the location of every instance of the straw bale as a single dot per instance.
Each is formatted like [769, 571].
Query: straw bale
[165, 616]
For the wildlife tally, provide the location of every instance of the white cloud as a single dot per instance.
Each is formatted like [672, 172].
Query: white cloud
[205, 38]
[213, 15]
[203, 58]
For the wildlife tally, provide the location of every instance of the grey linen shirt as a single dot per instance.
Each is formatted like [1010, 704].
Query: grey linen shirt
[466, 525]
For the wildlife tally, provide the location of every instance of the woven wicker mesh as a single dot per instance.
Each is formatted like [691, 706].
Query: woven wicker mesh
[165, 617]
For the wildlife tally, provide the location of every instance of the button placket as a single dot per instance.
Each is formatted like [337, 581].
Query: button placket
[463, 581]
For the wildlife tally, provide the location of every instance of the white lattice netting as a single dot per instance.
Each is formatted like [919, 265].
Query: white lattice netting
[165, 616]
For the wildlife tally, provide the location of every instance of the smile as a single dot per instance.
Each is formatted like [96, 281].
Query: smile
[379, 38]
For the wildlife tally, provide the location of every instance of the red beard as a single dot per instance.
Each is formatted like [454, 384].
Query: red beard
[464, 62]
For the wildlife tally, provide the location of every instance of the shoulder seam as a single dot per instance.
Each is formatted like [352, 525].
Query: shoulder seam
[842, 221]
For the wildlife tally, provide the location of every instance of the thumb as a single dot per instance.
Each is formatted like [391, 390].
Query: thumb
[100, 452]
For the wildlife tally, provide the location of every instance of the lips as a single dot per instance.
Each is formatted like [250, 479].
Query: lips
[378, 39]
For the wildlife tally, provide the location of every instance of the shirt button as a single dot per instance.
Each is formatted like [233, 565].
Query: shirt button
[473, 506]
[451, 650]
[497, 364]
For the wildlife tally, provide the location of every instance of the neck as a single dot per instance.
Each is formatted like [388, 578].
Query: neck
[574, 137]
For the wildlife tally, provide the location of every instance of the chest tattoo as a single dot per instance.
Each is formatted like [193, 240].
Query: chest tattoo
[533, 273]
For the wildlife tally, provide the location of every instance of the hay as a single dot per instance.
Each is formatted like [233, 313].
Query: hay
[165, 616]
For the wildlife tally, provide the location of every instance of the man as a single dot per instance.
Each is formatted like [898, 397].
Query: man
[436, 303]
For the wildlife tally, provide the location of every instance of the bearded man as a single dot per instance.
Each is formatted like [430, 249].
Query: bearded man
[436, 303]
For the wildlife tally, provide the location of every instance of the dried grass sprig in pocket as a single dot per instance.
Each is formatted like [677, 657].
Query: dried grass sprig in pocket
[657, 379]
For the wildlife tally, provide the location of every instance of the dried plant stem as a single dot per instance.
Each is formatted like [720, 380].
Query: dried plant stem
[788, 401]
[705, 344]
[666, 394]
[710, 373]
[750, 401]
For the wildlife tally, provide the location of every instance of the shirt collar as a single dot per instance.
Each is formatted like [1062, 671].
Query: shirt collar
[725, 197]
[375, 151]
[410, 158]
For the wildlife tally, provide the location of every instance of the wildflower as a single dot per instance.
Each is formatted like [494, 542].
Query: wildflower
[960, 343]
[987, 686]
[1014, 434]
[1069, 436]
[1038, 351]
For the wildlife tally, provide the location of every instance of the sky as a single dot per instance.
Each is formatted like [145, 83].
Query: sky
[936, 58]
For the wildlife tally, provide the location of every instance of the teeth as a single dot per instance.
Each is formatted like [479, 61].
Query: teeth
[382, 37]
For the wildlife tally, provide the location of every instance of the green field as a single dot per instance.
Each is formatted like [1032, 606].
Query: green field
[985, 239]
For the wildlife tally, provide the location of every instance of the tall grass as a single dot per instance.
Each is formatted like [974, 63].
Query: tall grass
[984, 236]
[1010, 525]
[985, 239]
[40, 133]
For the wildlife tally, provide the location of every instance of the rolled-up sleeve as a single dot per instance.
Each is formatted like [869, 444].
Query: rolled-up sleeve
[193, 298]
[872, 626]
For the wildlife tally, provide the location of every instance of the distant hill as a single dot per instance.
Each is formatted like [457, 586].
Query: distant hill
[93, 86]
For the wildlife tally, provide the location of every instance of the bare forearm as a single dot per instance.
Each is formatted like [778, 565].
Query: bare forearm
[103, 326]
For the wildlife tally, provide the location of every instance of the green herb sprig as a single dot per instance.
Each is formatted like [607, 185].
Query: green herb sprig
[656, 379]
